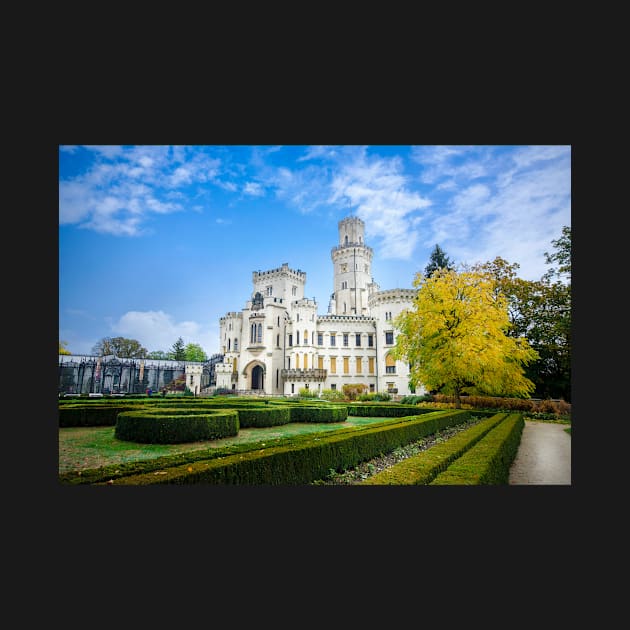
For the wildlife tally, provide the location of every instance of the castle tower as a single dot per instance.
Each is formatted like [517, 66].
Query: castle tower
[352, 260]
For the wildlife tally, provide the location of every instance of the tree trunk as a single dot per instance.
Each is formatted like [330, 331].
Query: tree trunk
[458, 400]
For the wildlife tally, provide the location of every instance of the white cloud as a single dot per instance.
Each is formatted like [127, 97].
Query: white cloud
[125, 186]
[515, 216]
[157, 330]
[253, 188]
[379, 192]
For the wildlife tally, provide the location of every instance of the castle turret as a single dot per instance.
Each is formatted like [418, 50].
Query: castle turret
[352, 260]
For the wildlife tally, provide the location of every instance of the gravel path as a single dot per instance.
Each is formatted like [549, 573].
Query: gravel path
[371, 467]
[543, 456]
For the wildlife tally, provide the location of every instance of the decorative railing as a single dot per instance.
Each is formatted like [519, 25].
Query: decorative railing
[315, 374]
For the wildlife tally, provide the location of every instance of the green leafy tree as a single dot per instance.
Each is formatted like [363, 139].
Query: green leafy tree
[178, 351]
[194, 352]
[63, 348]
[158, 354]
[562, 256]
[455, 340]
[437, 260]
[541, 312]
[121, 347]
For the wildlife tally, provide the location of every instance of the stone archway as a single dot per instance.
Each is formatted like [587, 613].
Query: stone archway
[258, 375]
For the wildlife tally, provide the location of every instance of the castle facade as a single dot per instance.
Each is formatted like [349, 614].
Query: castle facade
[279, 344]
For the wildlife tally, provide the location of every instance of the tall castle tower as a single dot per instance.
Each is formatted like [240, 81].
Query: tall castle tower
[352, 260]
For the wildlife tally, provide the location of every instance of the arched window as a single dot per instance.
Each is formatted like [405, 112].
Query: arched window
[297, 337]
[297, 361]
[235, 344]
[259, 333]
[306, 337]
[229, 344]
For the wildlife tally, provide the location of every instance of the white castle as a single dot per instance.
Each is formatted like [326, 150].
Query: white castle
[278, 343]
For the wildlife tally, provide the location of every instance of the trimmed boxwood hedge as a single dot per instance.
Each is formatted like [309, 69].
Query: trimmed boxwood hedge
[264, 416]
[91, 415]
[176, 425]
[422, 468]
[303, 463]
[318, 413]
[490, 460]
[386, 410]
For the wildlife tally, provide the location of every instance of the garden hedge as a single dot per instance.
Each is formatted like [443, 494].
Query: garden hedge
[490, 460]
[303, 463]
[176, 425]
[422, 468]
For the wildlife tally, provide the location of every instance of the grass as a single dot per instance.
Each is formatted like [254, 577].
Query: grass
[88, 448]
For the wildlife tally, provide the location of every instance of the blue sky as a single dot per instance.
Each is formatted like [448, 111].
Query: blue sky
[158, 242]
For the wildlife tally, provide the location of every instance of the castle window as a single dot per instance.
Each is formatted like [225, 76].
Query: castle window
[346, 240]
[371, 365]
[229, 343]
[278, 322]
[320, 363]
[359, 362]
[235, 344]
[277, 341]
[390, 365]
[306, 337]
[259, 333]
[389, 337]
[297, 338]
[320, 339]
[333, 386]
[293, 388]
[333, 339]
[293, 290]
[333, 365]
[357, 340]
[371, 341]
[346, 365]
[269, 290]
[290, 340]
[345, 339]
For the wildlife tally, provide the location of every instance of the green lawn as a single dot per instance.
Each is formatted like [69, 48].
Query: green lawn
[85, 448]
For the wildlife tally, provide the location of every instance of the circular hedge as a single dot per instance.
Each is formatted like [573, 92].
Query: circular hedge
[175, 425]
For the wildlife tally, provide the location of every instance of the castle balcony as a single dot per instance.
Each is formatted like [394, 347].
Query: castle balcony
[304, 375]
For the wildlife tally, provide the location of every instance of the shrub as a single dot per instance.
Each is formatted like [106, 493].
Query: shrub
[352, 390]
[332, 394]
[305, 392]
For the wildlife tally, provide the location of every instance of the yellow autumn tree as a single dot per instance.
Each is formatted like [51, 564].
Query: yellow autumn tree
[63, 349]
[455, 340]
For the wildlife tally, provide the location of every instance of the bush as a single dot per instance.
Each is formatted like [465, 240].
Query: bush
[331, 394]
[306, 392]
[352, 390]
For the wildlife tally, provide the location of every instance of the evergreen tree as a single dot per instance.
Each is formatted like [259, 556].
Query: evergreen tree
[178, 351]
[437, 260]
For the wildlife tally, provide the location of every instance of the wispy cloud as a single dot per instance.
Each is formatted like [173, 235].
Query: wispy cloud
[157, 330]
[379, 191]
[254, 189]
[514, 213]
[124, 186]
